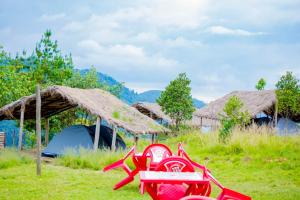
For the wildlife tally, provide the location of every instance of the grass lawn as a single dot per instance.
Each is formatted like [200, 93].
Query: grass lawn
[262, 166]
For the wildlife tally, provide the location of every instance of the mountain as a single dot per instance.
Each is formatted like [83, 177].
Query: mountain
[130, 96]
[152, 95]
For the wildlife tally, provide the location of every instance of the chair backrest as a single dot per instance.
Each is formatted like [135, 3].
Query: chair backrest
[175, 164]
[156, 153]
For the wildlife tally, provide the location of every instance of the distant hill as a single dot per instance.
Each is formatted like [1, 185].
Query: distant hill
[130, 96]
[152, 95]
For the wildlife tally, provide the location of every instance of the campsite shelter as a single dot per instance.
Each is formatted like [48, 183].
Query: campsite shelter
[154, 111]
[255, 102]
[56, 99]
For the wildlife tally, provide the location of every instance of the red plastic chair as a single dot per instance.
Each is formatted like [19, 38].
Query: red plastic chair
[121, 163]
[226, 194]
[155, 153]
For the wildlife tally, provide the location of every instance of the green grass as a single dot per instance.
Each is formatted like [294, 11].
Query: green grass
[11, 157]
[261, 165]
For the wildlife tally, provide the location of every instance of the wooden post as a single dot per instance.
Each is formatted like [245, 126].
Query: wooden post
[38, 130]
[276, 114]
[97, 133]
[153, 138]
[114, 138]
[21, 126]
[156, 138]
[46, 131]
[136, 138]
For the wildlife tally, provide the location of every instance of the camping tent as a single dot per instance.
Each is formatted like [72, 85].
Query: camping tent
[80, 136]
[287, 126]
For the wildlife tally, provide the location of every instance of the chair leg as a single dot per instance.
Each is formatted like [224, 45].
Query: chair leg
[124, 182]
[114, 165]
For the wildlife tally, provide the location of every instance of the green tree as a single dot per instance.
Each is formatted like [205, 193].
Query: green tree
[232, 117]
[288, 95]
[50, 66]
[261, 84]
[14, 83]
[176, 101]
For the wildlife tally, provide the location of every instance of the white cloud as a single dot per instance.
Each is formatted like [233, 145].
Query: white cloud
[122, 57]
[53, 17]
[221, 30]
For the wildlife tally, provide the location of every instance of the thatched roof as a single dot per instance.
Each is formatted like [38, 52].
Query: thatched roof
[198, 121]
[56, 99]
[254, 101]
[152, 110]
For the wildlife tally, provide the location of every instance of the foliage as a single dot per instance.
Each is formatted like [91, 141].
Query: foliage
[261, 84]
[176, 101]
[51, 67]
[12, 158]
[288, 95]
[14, 83]
[30, 139]
[233, 117]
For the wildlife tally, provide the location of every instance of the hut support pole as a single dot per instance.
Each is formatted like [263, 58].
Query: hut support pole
[46, 131]
[97, 133]
[113, 142]
[136, 138]
[153, 138]
[276, 114]
[38, 130]
[21, 126]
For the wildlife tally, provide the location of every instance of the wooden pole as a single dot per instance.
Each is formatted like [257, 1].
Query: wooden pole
[153, 138]
[114, 138]
[97, 133]
[21, 126]
[38, 130]
[276, 114]
[46, 131]
[136, 138]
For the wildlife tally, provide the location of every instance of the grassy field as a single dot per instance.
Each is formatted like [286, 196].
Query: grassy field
[261, 165]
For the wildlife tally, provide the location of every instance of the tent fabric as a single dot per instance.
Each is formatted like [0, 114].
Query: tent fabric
[79, 136]
[287, 126]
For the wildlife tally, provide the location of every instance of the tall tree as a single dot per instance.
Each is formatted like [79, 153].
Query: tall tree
[176, 101]
[50, 66]
[261, 84]
[288, 95]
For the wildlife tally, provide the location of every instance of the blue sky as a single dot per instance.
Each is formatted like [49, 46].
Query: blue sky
[222, 45]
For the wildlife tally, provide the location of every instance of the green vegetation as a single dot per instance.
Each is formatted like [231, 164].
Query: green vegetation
[261, 84]
[12, 158]
[254, 162]
[233, 117]
[288, 95]
[176, 101]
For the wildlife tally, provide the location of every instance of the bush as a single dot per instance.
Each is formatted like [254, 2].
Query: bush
[11, 158]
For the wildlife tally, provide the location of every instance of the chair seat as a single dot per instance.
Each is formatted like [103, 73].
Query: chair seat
[171, 192]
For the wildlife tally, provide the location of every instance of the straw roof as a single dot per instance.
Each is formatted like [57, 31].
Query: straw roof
[152, 110]
[255, 102]
[198, 121]
[56, 99]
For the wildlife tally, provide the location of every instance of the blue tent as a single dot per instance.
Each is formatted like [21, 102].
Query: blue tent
[80, 136]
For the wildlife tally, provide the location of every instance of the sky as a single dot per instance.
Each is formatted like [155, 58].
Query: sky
[222, 45]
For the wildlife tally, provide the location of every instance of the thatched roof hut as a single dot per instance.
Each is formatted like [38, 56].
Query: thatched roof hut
[152, 110]
[56, 99]
[255, 102]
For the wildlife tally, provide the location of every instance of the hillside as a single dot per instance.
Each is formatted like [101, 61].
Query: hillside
[130, 96]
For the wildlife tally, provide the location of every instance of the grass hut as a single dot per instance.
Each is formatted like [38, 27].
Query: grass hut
[56, 99]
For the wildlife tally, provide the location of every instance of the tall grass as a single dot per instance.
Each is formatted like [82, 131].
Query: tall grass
[11, 157]
[257, 145]
[88, 159]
